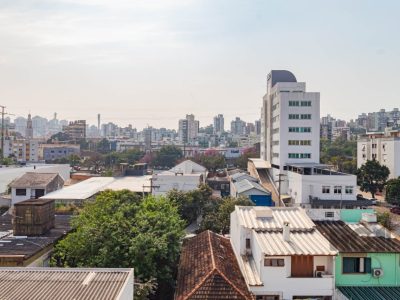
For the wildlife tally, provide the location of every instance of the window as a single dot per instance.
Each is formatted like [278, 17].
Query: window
[268, 297]
[356, 265]
[373, 146]
[329, 214]
[275, 130]
[306, 116]
[294, 116]
[274, 262]
[275, 143]
[300, 129]
[337, 189]
[20, 192]
[305, 155]
[348, 190]
[326, 189]
[293, 103]
[247, 243]
[275, 155]
[305, 103]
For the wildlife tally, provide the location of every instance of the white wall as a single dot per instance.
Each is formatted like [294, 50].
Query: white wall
[166, 183]
[300, 187]
[16, 199]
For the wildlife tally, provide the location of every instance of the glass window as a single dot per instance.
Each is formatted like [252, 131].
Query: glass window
[274, 262]
[326, 189]
[349, 190]
[329, 214]
[356, 265]
[20, 192]
[337, 189]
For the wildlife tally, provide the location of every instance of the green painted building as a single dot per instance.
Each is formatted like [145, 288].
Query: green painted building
[369, 259]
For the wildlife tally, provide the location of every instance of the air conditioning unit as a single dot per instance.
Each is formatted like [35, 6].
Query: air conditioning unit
[377, 273]
[319, 273]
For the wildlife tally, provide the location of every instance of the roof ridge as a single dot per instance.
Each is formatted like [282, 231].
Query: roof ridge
[211, 249]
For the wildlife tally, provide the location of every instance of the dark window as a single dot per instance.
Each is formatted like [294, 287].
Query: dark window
[329, 214]
[274, 262]
[247, 243]
[356, 265]
[20, 192]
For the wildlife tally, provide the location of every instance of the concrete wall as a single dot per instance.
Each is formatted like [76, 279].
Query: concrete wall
[165, 183]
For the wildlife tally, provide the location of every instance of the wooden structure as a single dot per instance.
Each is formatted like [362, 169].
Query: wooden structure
[33, 217]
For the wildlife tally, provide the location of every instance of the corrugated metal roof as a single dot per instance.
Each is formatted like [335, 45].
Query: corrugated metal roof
[250, 272]
[296, 216]
[54, 283]
[91, 186]
[188, 167]
[301, 243]
[370, 292]
[242, 176]
[345, 239]
[245, 185]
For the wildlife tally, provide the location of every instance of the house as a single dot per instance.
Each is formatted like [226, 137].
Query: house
[281, 253]
[33, 185]
[28, 237]
[67, 283]
[49, 152]
[208, 269]
[186, 176]
[367, 266]
[253, 190]
[219, 182]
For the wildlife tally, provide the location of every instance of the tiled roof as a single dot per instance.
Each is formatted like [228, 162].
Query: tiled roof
[54, 283]
[370, 292]
[296, 216]
[35, 180]
[208, 269]
[345, 239]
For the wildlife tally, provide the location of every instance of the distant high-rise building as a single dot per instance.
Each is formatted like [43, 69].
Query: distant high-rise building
[219, 126]
[238, 126]
[76, 130]
[98, 124]
[258, 127]
[188, 129]
[29, 128]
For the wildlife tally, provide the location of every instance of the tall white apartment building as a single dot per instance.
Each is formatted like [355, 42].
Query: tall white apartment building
[383, 147]
[219, 126]
[188, 129]
[290, 142]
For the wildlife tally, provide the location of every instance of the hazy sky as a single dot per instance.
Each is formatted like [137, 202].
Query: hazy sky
[151, 62]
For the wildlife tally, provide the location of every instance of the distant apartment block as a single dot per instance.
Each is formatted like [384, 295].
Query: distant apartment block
[188, 130]
[383, 147]
[50, 152]
[76, 130]
[22, 150]
[378, 121]
[238, 126]
[219, 126]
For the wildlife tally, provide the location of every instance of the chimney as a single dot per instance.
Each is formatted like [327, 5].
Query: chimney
[286, 231]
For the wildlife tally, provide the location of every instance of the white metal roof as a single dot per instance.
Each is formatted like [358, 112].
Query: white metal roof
[241, 176]
[89, 187]
[188, 167]
[296, 216]
[301, 243]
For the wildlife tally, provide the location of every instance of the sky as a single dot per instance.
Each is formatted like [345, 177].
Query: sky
[152, 62]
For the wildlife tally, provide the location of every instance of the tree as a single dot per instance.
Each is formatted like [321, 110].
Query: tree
[386, 220]
[372, 176]
[121, 230]
[212, 160]
[103, 146]
[393, 191]
[168, 156]
[217, 217]
[241, 162]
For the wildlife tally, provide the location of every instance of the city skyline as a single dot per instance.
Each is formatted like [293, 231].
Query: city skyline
[152, 62]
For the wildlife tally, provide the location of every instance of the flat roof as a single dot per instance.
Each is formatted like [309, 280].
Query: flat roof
[91, 186]
[259, 163]
[64, 283]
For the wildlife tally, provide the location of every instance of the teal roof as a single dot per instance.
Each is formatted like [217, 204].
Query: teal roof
[371, 292]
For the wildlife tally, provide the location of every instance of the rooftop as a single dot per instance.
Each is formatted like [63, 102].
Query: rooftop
[260, 163]
[241, 176]
[188, 167]
[33, 180]
[296, 216]
[208, 269]
[359, 239]
[245, 185]
[91, 186]
[55, 283]
[370, 292]
[27, 247]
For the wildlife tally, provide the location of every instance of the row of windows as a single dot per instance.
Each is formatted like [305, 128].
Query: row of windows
[275, 130]
[337, 189]
[299, 142]
[299, 129]
[299, 103]
[299, 116]
[299, 155]
[275, 154]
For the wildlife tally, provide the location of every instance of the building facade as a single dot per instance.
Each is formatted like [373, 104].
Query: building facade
[188, 130]
[22, 150]
[219, 126]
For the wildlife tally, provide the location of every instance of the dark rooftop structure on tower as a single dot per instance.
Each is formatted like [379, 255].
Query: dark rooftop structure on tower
[280, 76]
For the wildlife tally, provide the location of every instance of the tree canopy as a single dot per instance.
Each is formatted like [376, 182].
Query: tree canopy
[393, 191]
[121, 230]
[372, 176]
[168, 156]
[340, 153]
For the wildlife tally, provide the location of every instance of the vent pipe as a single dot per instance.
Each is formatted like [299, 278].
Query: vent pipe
[286, 232]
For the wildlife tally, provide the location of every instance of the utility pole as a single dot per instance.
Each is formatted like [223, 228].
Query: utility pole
[2, 131]
[280, 175]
